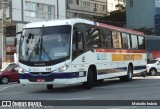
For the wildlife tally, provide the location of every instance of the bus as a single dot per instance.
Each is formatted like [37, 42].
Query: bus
[71, 51]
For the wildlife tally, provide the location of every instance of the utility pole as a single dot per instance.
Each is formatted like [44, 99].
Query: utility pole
[57, 9]
[3, 32]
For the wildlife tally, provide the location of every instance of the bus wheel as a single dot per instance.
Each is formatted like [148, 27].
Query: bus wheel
[153, 72]
[129, 75]
[49, 86]
[89, 83]
[100, 81]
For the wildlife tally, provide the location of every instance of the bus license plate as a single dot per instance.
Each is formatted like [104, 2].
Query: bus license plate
[40, 80]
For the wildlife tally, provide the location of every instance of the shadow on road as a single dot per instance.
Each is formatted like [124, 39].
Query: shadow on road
[79, 87]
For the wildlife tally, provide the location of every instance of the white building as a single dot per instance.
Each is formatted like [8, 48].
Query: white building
[20, 12]
[88, 9]
[111, 4]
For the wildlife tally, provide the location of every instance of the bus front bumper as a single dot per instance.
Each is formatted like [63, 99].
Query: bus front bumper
[53, 78]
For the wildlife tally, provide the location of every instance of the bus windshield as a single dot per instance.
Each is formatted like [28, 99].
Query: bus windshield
[45, 44]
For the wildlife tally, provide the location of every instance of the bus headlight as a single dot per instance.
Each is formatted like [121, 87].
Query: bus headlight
[63, 68]
[21, 70]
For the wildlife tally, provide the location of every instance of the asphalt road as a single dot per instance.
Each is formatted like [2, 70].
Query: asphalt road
[139, 89]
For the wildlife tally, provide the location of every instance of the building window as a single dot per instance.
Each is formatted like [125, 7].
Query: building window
[31, 9]
[77, 2]
[131, 3]
[70, 1]
[39, 10]
[104, 8]
[84, 3]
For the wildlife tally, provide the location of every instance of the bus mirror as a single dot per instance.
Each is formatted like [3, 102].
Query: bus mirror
[16, 37]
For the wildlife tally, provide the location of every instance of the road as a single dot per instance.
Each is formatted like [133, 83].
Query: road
[139, 89]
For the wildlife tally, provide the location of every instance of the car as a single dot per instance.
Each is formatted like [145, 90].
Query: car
[9, 73]
[153, 67]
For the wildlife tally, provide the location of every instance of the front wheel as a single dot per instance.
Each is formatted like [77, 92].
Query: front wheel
[153, 72]
[89, 83]
[4, 80]
[49, 86]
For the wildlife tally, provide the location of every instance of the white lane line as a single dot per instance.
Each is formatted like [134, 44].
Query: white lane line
[6, 87]
[124, 107]
[83, 98]
[129, 85]
[12, 93]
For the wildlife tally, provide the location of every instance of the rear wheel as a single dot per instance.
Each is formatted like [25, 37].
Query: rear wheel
[153, 72]
[89, 83]
[129, 74]
[4, 80]
[49, 86]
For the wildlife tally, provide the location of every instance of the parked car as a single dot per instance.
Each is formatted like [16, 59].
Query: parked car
[9, 73]
[153, 67]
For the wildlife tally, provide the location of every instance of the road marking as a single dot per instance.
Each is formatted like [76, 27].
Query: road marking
[129, 85]
[8, 86]
[124, 107]
[84, 98]
[148, 77]
[12, 93]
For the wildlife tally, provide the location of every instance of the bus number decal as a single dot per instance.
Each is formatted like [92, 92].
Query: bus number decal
[126, 57]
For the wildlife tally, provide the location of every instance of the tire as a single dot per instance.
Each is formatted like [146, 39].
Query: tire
[49, 86]
[129, 75]
[89, 83]
[5, 80]
[153, 72]
[100, 81]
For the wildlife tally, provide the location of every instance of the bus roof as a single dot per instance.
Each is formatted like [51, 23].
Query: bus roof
[126, 30]
[78, 20]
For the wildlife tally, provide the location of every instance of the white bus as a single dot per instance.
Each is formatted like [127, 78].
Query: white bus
[73, 51]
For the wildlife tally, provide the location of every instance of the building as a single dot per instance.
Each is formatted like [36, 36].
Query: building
[91, 9]
[111, 4]
[20, 12]
[143, 14]
[88, 9]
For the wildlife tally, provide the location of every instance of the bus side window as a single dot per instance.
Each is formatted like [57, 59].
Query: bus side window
[134, 42]
[126, 41]
[141, 44]
[105, 37]
[92, 37]
[77, 40]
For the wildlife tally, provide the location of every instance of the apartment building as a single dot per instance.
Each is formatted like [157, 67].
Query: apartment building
[20, 12]
[88, 9]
